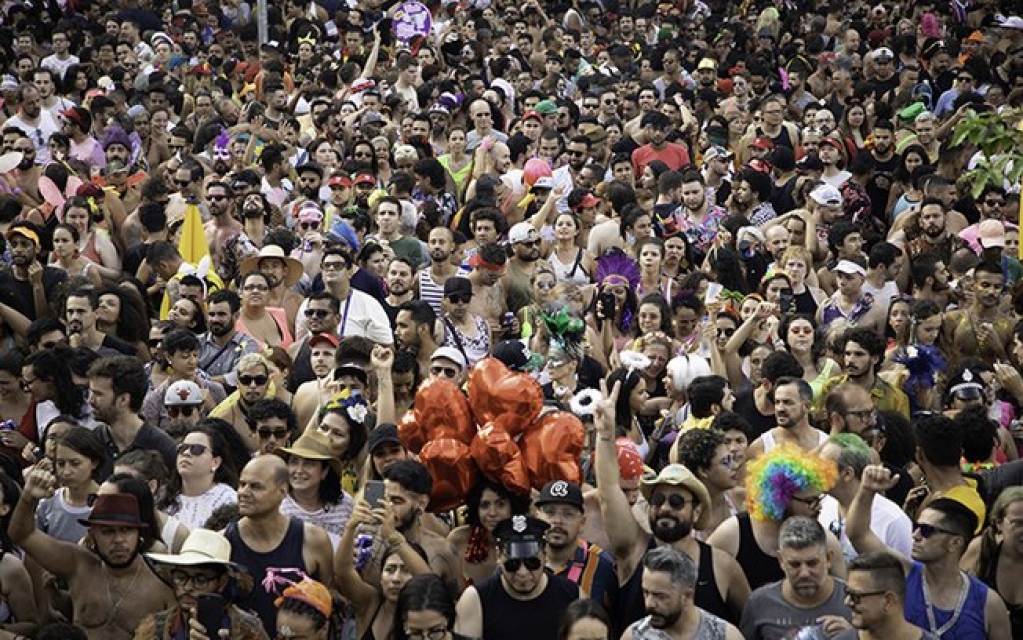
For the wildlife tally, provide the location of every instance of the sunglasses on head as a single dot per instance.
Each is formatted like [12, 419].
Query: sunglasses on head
[514, 564]
[182, 410]
[195, 449]
[247, 381]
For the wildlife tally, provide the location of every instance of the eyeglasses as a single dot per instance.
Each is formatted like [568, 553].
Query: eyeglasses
[675, 501]
[317, 313]
[463, 299]
[276, 434]
[591, 105]
[928, 530]
[306, 226]
[435, 633]
[812, 503]
[727, 332]
[447, 372]
[248, 381]
[198, 580]
[194, 450]
[514, 564]
[333, 266]
[255, 287]
[182, 410]
[866, 415]
[854, 597]
[995, 203]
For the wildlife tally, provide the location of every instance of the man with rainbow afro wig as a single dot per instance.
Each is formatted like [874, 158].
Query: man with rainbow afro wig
[784, 482]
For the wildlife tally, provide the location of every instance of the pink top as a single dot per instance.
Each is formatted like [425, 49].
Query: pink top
[280, 317]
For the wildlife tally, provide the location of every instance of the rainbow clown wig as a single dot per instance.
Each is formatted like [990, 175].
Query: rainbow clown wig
[774, 477]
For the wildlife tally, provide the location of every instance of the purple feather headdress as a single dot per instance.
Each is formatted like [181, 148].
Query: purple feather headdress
[615, 268]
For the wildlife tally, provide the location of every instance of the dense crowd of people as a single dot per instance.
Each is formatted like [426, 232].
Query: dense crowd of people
[577, 320]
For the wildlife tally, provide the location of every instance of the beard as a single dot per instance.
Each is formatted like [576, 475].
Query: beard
[26, 164]
[220, 330]
[252, 212]
[119, 565]
[665, 620]
[407, 520]
[221, 167]
[670, 533]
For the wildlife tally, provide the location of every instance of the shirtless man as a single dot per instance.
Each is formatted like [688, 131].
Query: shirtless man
[488, 296]
[981, 331]
[222, 227]
[104, 571]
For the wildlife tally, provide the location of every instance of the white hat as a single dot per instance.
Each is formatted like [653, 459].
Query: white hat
[182, 392]
[850, 267]
[827, 194]
[523, 232]
[1011, 22]
[202, 547]
[449, 353]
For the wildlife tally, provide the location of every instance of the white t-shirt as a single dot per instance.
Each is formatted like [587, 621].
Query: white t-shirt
[887, 520]
[194, 511]
[361, 315]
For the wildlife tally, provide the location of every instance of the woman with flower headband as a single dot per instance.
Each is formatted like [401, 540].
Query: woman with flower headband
[344, 421]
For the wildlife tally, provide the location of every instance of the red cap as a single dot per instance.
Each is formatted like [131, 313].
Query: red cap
[74, 114]
[762, 143]
[832, 142]
[324, 337]
[339, 180]
[532, 114]
[365, 178]
[588, 202]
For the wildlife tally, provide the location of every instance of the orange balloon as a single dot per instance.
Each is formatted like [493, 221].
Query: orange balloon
[410, 433]
[496, 391]
[443, 411]
[453, 472]
[551, 450]
[499, 459]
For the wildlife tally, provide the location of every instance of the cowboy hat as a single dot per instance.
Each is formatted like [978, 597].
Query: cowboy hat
[313, 445]
[202, 547]
[292, 266]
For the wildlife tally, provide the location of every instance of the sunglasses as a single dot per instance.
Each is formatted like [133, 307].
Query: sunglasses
[928, 530]
[306, 226]
[317, 313]
[447, 372]
[276, 434]
[514, 564]
[183, 410]
[248, 381]
[182, 183]
[464, 299]
[812, 503]
[675, 501]
[727, 332]
[855, 597]
[193, 450]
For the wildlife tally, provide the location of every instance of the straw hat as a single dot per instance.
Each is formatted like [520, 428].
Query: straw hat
[203, 547]
[293, 268]
[313, 445]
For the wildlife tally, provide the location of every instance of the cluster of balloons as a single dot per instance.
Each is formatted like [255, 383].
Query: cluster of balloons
[497, 429]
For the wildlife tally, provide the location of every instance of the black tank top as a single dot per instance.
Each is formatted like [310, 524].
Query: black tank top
[707, 595]
[760, 568]
[287, 555]
[301, 369]
[990, 578]
[505, 618]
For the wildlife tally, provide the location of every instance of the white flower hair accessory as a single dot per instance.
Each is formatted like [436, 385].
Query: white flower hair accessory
[584, 403]
[633, 360]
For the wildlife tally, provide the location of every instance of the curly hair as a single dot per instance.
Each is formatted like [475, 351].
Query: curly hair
[696, 448]
[773, 478]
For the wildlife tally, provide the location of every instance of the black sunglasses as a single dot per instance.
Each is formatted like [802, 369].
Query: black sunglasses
[277, 434]
[928, 530]
[317, 313]
[182, 410]
[463, 299]
[514, 564]
[194, 449]
[250, 380]
[675, 501]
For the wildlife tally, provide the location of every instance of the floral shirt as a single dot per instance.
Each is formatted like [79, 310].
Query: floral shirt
[701, 235]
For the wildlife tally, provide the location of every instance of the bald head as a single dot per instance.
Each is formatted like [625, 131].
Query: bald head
[270, 468]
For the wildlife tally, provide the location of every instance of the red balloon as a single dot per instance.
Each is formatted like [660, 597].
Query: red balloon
[551, 450]
[496, 391]
[443, 411]
[410, 433]
[453, 472]
[499, 459]
[535, 168]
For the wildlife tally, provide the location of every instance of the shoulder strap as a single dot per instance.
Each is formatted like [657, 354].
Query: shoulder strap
[216, 356]
[454, 334]
[575, 265]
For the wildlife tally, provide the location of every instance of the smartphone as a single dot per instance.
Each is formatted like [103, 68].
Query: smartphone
[374, 493]
[608, 302]
[210, 613]
[787, 301]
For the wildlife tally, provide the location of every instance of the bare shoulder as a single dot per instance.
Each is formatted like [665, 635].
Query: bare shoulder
[459, 536]
[726, 537]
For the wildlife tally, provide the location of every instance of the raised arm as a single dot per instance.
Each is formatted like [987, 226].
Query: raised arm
[59, 558]
[346, 578]
[622, 529]
[382, 359]
[876, 479]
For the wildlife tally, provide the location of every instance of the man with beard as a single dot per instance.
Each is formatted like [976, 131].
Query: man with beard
[255, 212]
[390, 231]
[934, 583]
[930, 279]
[561, 506]
[523, 600]
[311, 395]
[407, 487]
[808, 597]
[488, 294]
[864, 352]
[655, 128]
[223, 231]
[222, 346]
[253, 376]
[751, 192]
[699, 218]
[567, 177]
[669, 588]
[26, 288]
[111, 587]
[271, 544]
[310, 179]
[36, 122]
[203, 566]
[399, 280]
[80, 320]
[429, 282]
[876, 591]
[360, 313]
[933, 236]
[885, 162]
[525, 242]
[27, 173]
[322, 313]
[676, 503]
[415, 332]
[77, 126]
[982, 330]
[849, 305]
[792, 401]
